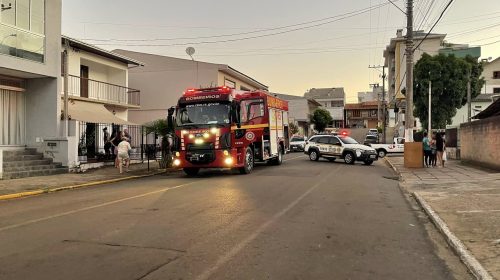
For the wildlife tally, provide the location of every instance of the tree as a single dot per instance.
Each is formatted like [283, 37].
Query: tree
[449, 76]
[294, 129]
[321, 118]
[165, 129]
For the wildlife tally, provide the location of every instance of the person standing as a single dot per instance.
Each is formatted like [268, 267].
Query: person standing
[427, 150]
[115, 141]
[433, 150]
[107, 144]
[123, 149]
[440, 148]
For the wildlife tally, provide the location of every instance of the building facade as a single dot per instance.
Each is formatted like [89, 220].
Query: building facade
[362, 115]
[478, 104]
[163, 79]
[30, 34]
[331, 99]
[491, 75]
[300, 110]
[98, 94]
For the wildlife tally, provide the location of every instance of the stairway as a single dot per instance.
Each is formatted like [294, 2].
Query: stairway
[28, 163]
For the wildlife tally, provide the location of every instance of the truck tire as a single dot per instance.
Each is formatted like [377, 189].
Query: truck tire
[249, 162]
[349, 158]
[314, 155]
[279, 159]
[191, 171]
[381, 153]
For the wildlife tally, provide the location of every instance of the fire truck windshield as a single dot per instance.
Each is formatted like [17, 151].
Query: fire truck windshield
[203, 114]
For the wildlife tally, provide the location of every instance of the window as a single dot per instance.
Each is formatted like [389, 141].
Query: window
[478, 107]
[496, 90]
[297, 139]
[37, 16]
[229, 83]
[23, 14]
[244, 88]
[334, 141]
[251, 109]
[496, 74]
[337, 103]
[323, 140]
[8, 15]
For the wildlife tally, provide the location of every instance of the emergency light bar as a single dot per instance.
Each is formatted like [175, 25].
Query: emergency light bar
[223, 89]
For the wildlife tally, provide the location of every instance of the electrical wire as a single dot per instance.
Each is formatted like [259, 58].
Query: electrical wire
[434, 25]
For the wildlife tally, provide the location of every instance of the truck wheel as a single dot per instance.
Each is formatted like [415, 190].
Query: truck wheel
[191, 171]
[349, 158]
[314, 155]
[381, 153]
[249, 162]
[279, 159]
[368, 162]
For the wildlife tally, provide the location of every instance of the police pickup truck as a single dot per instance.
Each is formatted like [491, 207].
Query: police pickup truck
[397, 146]
[334, 146]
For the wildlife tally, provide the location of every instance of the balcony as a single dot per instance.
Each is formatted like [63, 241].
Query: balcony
[103, 92]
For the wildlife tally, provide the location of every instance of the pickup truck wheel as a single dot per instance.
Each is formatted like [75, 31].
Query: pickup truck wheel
[249, 162]
[349, 158]
[368, 162]
[381, 153]
[191, 171]
[314, 155]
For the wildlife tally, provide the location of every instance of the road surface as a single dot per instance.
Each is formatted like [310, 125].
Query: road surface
[300, 220]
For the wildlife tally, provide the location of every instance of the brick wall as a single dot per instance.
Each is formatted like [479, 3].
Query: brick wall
[480, 142]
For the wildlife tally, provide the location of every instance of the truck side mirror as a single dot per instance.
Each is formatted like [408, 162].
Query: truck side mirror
[235, 113]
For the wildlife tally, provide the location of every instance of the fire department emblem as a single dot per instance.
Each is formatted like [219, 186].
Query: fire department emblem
[250, 136]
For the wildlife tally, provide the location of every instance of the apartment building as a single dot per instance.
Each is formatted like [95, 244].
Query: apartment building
[331, 99]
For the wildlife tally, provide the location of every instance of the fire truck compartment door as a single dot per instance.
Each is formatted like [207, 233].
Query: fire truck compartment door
[273, 137]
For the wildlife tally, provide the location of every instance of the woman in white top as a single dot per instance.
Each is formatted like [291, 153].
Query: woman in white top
[123, 149]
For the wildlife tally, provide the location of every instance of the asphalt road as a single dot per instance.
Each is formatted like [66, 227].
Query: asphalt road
[301, 220]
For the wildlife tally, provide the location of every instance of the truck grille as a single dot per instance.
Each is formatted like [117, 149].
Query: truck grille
[200, 153]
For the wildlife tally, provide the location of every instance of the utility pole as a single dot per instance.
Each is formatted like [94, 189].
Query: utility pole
[66, 87]
[469, 106]
[429, 125]
[384, 105]
[375, 86]
[409, 73]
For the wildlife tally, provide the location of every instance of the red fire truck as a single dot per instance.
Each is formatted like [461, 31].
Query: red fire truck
[226, 128]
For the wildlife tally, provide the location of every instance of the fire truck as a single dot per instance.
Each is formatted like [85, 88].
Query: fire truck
[227, 128]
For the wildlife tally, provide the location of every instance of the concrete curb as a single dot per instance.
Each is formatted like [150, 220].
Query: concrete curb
[393, 168]
[57, 189]
[463, 253]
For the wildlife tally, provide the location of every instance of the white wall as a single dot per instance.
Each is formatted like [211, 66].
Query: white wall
[461, 116]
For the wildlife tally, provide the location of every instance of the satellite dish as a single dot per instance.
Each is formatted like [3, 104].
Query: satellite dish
[190, 51]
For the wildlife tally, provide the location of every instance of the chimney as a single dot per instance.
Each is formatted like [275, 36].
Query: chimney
[399, 33]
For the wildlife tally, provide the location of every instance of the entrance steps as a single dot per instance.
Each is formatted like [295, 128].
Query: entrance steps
[28, 163]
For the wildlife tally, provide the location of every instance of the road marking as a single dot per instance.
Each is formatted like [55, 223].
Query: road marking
[93, 207]
[236, 249]
[478, 211]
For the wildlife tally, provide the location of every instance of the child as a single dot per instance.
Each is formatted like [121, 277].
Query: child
[123, 149]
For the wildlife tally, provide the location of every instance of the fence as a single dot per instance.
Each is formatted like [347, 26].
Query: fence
[93, 148]
[88, 88]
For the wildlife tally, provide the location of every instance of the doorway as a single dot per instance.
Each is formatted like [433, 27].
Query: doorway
[84, 81]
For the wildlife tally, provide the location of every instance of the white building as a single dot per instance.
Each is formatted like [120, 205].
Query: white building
[300, 110]
[331, 99]
[491, 75]
[30, 60]
[478, 104]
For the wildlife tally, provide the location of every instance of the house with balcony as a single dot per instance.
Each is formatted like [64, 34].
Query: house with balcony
[163, 79]
[30, 75]
[98, 97]
[362, 115]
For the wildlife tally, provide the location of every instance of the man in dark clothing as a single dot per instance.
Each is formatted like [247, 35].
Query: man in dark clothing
[440, 148]
[107, 143]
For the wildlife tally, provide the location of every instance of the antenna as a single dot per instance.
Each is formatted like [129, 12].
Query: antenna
[190, 51]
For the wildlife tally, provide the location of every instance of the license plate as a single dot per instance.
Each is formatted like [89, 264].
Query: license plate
[372, 156]
[195, 157]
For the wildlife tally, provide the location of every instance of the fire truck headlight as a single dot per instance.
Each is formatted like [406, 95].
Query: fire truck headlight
[206, 135]
[198, 141]
[177, 162]
[226, 153]
[214, 130]
[191, 136]
[228, 161]
[183, 132]
[177, 154]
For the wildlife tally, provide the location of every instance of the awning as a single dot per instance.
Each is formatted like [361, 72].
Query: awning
[93, 113]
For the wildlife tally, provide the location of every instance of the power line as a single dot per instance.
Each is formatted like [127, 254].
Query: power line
[487, 44]
[320, 21]
[426, 14]
[397, 6]
[435, 23]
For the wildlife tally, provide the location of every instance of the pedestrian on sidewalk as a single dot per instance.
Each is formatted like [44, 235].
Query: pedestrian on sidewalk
[427, 150]
[123, 149]
[440, 148]
[115, 142]
[433, 150]
[107, 144]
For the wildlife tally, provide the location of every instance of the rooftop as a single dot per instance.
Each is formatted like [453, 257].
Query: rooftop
[325, 93]
[491, 111]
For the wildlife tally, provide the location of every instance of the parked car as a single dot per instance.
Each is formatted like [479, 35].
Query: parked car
[371, 139]
[297, 143]
[332, 147]
[397, 146]
[372, 131]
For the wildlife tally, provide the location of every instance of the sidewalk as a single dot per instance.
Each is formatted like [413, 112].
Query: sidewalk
[44, 183]
[467, 200]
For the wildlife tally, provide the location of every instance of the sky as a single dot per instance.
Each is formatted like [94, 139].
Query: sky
[291, 46]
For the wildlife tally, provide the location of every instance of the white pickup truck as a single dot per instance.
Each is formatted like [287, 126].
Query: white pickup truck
[397, 146]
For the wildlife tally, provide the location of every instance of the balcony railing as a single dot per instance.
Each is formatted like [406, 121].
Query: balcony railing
[102, 91]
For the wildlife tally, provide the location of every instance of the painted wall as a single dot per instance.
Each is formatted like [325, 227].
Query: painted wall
[479, 142]
[487, 74]
[51, 66]
[461, 116]
[223, 76]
